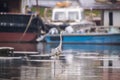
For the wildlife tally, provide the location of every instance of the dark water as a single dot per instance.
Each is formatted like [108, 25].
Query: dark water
[80, 62]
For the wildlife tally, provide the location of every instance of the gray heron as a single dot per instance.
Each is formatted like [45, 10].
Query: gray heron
[58, 50]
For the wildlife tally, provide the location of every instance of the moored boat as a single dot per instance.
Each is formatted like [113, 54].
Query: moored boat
[77, 29]
[88, 34]
[17, 25]
[92, 38]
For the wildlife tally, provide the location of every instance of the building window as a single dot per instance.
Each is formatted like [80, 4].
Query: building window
[110, 18]
[110, 63]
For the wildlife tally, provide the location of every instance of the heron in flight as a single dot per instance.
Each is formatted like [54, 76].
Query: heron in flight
[58, 50]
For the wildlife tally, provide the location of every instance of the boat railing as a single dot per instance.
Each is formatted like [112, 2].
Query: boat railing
[13, 19]
[19, 20]
[97, 29]
[108, 28]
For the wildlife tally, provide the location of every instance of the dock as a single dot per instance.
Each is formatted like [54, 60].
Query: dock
[10, 48]
[25, 52]
[9, 58]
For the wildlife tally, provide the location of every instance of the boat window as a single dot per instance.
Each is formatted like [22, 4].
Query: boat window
[73, 15]
[59, 16]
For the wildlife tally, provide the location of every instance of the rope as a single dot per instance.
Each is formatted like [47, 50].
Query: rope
[29, 22]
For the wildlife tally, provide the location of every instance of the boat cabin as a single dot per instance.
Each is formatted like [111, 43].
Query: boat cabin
[13, 6]
[66, 13]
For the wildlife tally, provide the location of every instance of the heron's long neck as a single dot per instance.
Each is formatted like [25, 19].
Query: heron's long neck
[60, 45]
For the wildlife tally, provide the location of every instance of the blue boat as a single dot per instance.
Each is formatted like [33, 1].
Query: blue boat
[82, 31]
[93, 38]
[78, 29]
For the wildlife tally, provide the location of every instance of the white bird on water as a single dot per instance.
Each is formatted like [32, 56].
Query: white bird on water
[58, 50]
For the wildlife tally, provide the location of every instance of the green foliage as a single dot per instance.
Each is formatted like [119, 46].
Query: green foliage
[40, 10]
[93, 12]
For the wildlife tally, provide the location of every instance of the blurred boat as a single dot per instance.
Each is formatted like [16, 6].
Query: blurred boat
[76, 29]
[104, 37]
[16, 23]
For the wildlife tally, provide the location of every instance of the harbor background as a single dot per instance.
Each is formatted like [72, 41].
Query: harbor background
[77, 61]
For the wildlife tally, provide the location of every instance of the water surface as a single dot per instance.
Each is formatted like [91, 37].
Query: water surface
[80, 62]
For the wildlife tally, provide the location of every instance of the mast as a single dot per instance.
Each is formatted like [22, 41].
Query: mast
[37, 7]
[79, 3]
